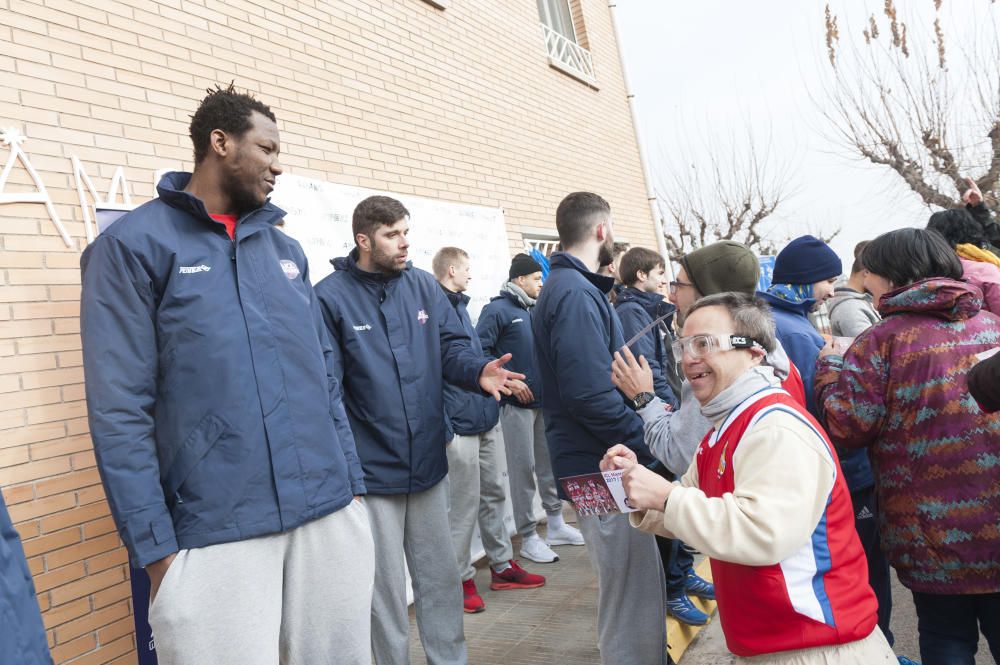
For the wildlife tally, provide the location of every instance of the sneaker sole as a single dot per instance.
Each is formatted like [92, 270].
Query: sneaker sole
[561, 541]
[524, 555]
[504, 586]
[476, 611]
[685, 622]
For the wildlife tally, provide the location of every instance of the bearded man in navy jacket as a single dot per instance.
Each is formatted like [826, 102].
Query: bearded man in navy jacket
[576, 333]
[397, 338]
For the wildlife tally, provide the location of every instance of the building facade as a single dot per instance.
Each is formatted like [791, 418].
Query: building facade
[509, 104]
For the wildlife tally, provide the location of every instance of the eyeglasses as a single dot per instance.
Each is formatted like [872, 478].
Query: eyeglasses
[701, 346]
[676, 285]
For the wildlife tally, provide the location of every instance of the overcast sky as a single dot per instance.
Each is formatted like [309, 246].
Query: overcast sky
[713, 67]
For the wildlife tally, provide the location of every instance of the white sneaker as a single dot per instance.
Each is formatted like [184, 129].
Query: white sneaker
[564, 535]
[535, 549]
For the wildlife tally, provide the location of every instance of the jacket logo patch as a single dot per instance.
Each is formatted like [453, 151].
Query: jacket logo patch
[518, 321]
[422, 317]
[291, 270]
[363, 328]
[190, 270]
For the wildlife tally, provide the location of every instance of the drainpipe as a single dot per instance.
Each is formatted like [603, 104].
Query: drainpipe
[661, 242]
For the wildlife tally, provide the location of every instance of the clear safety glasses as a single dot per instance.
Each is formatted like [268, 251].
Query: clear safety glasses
[701, 346]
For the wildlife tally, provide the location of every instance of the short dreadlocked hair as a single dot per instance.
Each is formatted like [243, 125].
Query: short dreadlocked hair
[225, 109]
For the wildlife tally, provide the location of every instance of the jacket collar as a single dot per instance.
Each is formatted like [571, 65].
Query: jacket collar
[563, 260]
[455, 299]
[171, 191]
[940, 297]
[350, 264]
[654, 304]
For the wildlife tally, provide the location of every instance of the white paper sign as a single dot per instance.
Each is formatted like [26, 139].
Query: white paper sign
[319, 217]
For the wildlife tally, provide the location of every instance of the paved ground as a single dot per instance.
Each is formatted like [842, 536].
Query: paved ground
[553, 625]
[557, 624]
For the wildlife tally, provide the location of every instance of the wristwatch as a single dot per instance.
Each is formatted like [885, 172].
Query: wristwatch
[641, 400]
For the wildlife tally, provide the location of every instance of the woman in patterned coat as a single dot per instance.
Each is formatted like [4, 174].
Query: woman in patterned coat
[901, 391]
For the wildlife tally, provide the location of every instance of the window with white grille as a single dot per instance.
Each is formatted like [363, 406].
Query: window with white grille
[546, 244]
[564, 42]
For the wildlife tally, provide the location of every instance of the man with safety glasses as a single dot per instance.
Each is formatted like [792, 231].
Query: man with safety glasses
[673, 436]
[764, 498]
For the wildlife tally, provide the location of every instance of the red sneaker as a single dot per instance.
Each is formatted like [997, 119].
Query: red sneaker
[515, 577]
[473, 602]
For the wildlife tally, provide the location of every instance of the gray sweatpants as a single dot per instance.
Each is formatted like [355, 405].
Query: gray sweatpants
[528, 459]
[302, 597]
[631, 591]
[417, 525]
[476, 494]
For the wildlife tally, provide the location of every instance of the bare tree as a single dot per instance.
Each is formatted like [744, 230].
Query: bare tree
[902, 96]
[718, 192]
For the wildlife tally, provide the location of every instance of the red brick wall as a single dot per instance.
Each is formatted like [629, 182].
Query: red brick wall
[457, 104]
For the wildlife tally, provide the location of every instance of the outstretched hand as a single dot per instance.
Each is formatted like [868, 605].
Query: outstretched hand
[495, 380]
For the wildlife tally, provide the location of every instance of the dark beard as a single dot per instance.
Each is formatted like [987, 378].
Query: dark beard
[384, 262]
[604, 256]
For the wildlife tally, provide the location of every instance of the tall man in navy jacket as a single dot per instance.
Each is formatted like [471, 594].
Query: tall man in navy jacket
[476, 493]
[216, 413]
[576, 333]
[397, 338]
[504, 326]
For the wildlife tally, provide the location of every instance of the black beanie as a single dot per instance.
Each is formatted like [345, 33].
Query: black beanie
[522, 264]
[722, 266]
[806, 260]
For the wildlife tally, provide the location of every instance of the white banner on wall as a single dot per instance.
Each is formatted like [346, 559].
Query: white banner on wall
[319, 217]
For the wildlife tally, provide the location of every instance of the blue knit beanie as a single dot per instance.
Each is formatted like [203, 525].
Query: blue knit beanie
[806, 260]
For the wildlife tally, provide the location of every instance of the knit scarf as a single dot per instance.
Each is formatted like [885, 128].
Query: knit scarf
[793, 293]
[973, 253]
[526, 301]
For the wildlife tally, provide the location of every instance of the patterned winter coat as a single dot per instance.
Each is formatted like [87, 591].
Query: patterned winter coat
[901, 390]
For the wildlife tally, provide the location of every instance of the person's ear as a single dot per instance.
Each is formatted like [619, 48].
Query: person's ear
[757, 354]
[363, 242]
[601, 231]
[452, 271]
[641, 276]
[220, 142]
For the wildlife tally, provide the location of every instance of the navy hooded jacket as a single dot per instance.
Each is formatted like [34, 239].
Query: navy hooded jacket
[802, 343]
[468, 413]
[576, 334]
[504, 326]
[22, 635]
[637, 309]
[214, 408]
[398, 339]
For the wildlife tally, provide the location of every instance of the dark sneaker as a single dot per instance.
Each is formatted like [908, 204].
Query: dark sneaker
[515, 577]
[699, 586]
[682, 609]
[473, 602]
